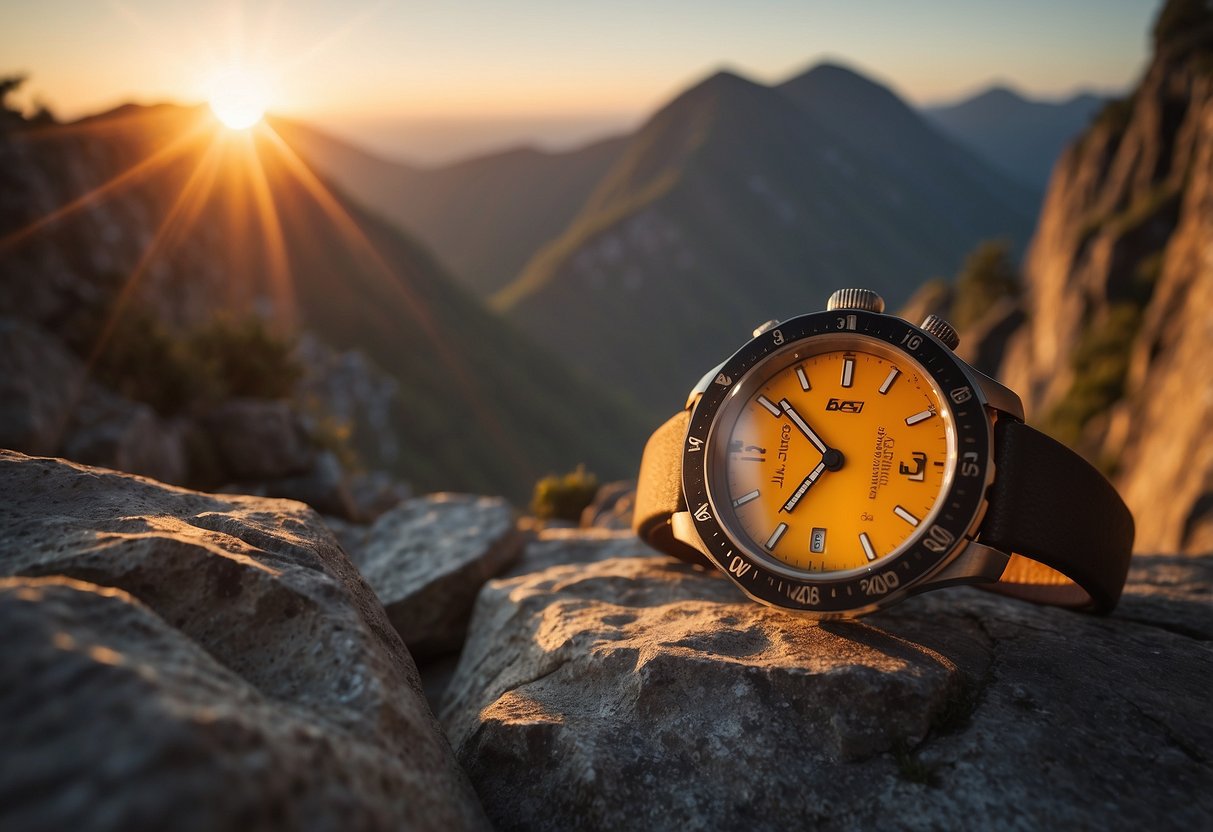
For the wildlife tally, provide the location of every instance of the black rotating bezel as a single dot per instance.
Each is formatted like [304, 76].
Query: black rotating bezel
[959, 504]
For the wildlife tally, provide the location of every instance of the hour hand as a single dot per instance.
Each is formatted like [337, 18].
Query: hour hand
[802, 425]
[803, 488]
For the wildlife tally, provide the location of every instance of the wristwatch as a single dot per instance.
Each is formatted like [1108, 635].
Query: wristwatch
[843, 460]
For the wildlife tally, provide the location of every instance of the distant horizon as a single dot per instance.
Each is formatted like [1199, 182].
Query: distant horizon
[439, 141]
[544, 73]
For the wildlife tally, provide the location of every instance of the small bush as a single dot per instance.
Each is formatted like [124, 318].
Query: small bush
[1101, 366]
[246, 359]
[176, 372]
[564, 497]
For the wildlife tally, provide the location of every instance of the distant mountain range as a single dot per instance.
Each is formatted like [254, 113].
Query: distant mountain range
[246, 228]
[643, 258]
[1022, 137]
[485, 217]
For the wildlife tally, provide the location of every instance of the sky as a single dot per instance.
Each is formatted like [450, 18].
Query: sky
[432, 80]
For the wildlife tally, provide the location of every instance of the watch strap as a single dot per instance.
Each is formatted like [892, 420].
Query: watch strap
[659, 490]
[1069, 532]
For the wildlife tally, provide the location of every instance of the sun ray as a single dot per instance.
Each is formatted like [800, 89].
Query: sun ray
[267, 212]
[357, 238]
[187, 203]
[181, 214]
[136, 173]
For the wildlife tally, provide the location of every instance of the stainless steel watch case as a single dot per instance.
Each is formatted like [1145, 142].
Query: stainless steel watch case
[964, 561]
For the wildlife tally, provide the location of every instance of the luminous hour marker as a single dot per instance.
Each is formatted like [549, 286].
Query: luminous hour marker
[804, 380]
[919, 417]
[905, 515]
[867, 546]
[888, 380]
[773, 540]
[769, 405]
[745, 498]
[848, 371]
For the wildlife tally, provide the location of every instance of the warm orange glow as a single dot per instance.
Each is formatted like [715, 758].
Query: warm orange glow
[271, 227]
[131, 176]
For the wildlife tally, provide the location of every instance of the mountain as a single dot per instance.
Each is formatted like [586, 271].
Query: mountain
[198, 222]
[738, 202]
[1022, 137]
[483, 217]
[1115, 350]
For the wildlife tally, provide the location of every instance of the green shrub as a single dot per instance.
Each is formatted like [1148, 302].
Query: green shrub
[141, 360]
[1101, 366]
[175, 372]
[564, 497]
[246, 359]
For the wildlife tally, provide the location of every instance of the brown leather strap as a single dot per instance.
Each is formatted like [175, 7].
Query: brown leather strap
[659, 490]
[1071, 532]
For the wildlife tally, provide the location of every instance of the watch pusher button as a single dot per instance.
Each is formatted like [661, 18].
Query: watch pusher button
[765, 327]
[864, 299]
[942, 330]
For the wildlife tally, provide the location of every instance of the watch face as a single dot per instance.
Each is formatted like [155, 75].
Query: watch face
[837, 460]
[837, 453]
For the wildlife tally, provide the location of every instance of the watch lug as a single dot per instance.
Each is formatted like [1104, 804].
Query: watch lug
[999, 396]
[683, 527]
[976, 564]
[698, 390]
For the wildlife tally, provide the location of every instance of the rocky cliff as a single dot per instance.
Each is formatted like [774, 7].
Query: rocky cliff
[1115, 352]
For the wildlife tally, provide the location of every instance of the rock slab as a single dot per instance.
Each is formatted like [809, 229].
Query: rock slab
[189, 661]
[428, 557]
[643, 693]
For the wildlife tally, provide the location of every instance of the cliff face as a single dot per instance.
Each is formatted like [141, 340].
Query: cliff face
[1115, 354]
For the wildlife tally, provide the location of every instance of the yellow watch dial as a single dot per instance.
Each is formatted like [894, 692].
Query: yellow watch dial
[835, 460]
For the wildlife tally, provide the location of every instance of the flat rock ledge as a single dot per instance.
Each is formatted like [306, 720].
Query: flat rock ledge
[637, 692]
[176, 660]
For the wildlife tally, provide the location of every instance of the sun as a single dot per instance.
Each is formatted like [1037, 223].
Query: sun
[238, 97]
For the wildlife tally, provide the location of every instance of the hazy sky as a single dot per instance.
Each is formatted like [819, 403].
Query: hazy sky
[550, 68]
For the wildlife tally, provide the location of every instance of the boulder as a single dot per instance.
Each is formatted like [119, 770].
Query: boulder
[324, 487]
[259, 439]
[554, 546]
[114, 432]
[612, 507]
[428, 557]
[193, 661]
[644, 693]
[39, 380]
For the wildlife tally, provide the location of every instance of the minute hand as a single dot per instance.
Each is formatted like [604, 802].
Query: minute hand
[800, 423]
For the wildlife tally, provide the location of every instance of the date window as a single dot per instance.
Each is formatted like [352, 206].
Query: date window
[817, 541]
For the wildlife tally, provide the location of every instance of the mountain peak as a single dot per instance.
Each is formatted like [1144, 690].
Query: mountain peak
[835, 90]
[1001, 94]
[723, 80]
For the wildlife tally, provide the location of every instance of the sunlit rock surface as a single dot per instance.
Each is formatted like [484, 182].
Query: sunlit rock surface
[220, 664]
[641, 693]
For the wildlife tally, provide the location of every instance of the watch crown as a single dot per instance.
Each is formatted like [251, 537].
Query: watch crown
[766, 327]
[942, 330]
[864, 299]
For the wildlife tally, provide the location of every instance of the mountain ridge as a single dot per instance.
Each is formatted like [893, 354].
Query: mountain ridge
[732, 196]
